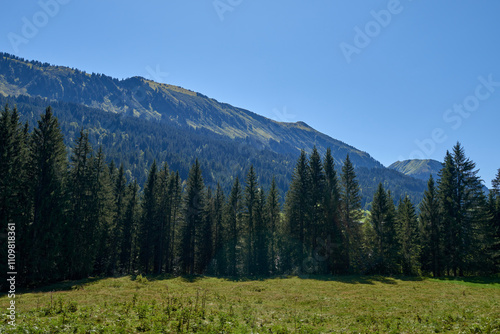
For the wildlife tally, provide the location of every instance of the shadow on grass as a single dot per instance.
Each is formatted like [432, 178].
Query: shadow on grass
[354, 279]
[63, 286]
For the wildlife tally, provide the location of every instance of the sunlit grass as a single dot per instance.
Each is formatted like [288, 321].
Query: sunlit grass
[278, 305]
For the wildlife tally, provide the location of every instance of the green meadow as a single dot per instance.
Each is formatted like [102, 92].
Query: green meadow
[355, 304]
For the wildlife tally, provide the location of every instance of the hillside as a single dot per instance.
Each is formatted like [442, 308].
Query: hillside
[138, 120]
[174, 105]
[420, 169]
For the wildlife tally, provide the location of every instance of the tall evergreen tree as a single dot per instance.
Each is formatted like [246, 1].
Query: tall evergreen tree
[15, 202]
[81, 220]
[317, 230]
[351, 215]
[47, 174]
[261, 244]
[103, 210]
[335, 242]
[219, 231]
[430, 231]
[149, 219]
[298, 214]
[204, 247]
[273, 214]
[129, 242]
[233, 218]
[194, 204]
[408, 237]
[250, 203]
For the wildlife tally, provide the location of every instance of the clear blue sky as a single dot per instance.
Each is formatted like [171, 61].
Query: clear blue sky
[381, 90]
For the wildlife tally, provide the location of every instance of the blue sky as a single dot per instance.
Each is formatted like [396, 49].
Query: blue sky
[398, 79]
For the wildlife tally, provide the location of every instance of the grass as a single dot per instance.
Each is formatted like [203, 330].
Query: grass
[355, 304]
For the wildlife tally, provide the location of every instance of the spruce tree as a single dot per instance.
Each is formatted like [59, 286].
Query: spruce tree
[431, 230]
[103, 214]
[317, 230]
[233, 218]
[15, 202]
[194, 205]
[149, 220]
[219, 231]
[261, 245]
[351, 215]
[298, 214]
[408, 238]
[335, 242]
[273, 214]
[129, 241]
[47, 174]
[250, 203]
[80, 221]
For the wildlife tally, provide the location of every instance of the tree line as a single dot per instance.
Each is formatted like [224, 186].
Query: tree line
[77, 216]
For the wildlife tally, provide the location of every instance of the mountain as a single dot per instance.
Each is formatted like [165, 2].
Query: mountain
[137, 120]
[420, 169]
[153, 101]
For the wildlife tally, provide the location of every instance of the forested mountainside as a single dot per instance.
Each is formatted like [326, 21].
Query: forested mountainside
[137, 121]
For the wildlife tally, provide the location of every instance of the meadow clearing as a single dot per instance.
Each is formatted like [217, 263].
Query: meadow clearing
[357, 304]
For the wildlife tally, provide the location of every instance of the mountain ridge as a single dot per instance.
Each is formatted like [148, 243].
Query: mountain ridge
[140, 97]
[137, 120]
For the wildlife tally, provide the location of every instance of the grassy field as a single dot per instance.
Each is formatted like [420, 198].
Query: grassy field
[279, 305]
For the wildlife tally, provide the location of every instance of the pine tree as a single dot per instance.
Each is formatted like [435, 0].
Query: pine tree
[261, 245]
[176, 199]
[378, 215]
[430, 227]
[102, 207]
[149, 220]
[250, 202]
[463, 211]
[119, 198]
[351, 215]
[129, 242]
[407, 233]
[80, 224]
[448, 210]
[233, 218]
[15, 202]
[161, 240]
[273, 214]
[194, 203]
[204, 245]
[335, 242]
[298, 214]
[219, 231]
[317, 230]
[47, 174]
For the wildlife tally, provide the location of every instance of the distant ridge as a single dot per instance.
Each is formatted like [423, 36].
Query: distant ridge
[420, 169]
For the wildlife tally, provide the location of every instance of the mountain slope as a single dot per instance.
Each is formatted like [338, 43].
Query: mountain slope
[420, 169]
[137, 121]
[146, 99]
